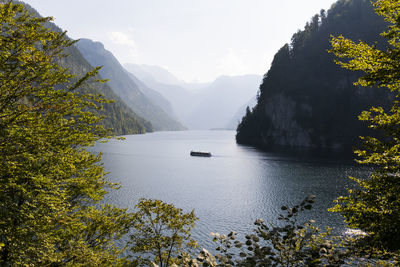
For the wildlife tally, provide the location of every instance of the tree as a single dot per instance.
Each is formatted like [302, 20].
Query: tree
[162, 232]
[49, 182]
[291, 243]
[306, 100]
[374, 206]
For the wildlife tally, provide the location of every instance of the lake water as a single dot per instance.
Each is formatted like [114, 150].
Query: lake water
[228, 191]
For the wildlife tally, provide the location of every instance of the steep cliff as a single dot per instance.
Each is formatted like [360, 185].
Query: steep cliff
[125, 87]
[306, 100]
[117, 115]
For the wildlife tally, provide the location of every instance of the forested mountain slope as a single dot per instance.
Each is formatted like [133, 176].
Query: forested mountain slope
[117, 115]
[160, 80]
[155, 97]
[308, 101]
[125, 87]
[237, 117]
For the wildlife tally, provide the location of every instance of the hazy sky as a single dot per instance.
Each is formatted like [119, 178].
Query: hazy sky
[196, 40]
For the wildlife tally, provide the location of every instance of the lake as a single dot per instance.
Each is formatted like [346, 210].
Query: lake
[228, 191]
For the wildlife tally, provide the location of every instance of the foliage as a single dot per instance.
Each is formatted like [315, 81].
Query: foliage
[127, 87]
[49, 182]
[374, 206]
[292, 244]
[116, 114]
[305, 100]
[162, 232]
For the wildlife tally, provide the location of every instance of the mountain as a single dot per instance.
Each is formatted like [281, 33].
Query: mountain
[155, 97]
[237, 117]
[125, 87]
[117, 115]
[167, 85]
[200, 106]
[151, 73]
[305, 99]
[217, 102]
[155, 74]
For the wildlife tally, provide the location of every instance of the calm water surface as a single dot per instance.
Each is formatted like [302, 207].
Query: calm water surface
[228, 191]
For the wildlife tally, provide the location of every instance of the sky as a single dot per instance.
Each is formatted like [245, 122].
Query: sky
[196, 40]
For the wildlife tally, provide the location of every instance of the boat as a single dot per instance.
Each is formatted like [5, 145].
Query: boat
[200, 154]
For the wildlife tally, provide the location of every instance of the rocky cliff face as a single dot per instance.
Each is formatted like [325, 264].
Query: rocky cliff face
[122, 83]
[285, 130]
[306, 100]
[117, 115]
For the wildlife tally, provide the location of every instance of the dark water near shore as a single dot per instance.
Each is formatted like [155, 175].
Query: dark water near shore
[228, 191]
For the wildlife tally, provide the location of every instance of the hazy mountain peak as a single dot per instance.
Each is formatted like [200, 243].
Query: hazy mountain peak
[152, 73]
[94, 43]
[203, 106]
[215, 105]
[237, 78]
[125, 86]
[118, 115]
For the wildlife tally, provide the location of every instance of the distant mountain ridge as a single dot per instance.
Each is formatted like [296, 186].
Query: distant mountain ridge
[155, 97]
[125, 86]
[155, 74]
[240, 113]
[117, 115]
[180, 97]
[220, 100]
[306, 100]
[152, 73]
[203, 106]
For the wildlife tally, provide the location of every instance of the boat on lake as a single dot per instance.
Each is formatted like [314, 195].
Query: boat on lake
[200, 154]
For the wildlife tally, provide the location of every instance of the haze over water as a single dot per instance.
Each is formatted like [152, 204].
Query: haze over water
[228, 191]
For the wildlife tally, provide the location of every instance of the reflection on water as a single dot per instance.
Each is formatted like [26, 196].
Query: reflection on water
[227, 191]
